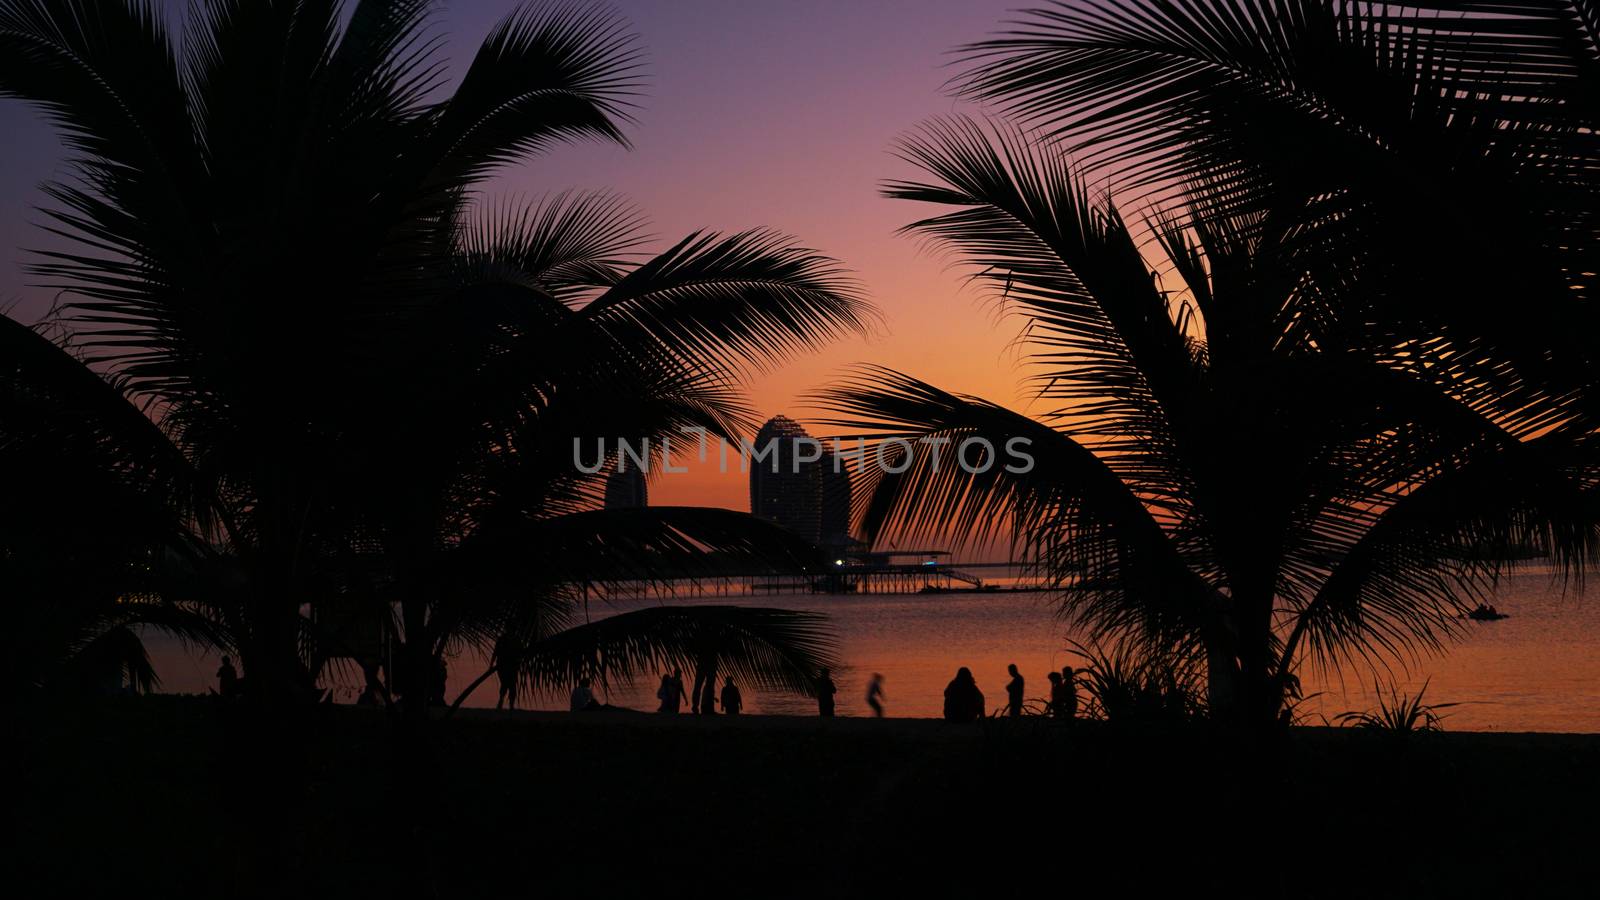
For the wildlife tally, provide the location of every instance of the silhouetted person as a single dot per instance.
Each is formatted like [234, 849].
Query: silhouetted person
[963, 702]
[583, 697]
[1063, 695]
[227, 678]
[825, 692]
[1069, 683]
[506, 674]
[441, 678]
[708, 698]
[732, 702]
[1014, 692]
[875, 695]
[671, 693]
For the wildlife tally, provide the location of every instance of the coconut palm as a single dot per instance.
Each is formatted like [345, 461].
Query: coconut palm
[85, 542]
[320, 371]
[1234, 463]
[1453, 146]
[550, 340]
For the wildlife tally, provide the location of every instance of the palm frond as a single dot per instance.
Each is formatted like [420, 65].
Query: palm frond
[739, 301]
[949, 465]
[645, 544]
[1023, 221]
[773, 649]
[107, 75]
[568, 245]
[1146, 86]
[112, 659]
[1405, 581]
[544, 74]
[54, 407]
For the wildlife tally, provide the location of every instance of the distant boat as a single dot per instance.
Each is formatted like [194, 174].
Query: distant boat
[1487, 614]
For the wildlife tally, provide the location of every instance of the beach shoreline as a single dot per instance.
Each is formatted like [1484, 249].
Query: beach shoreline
[620, 803]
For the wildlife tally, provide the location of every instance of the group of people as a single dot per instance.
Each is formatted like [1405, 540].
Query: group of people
[673, 696]
[963, 701]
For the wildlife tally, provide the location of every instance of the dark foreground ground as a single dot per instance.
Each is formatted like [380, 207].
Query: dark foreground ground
[178, 798]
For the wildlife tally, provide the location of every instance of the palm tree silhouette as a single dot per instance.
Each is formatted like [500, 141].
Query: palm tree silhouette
[1244, 469]
[1451, 147]
[318, 383]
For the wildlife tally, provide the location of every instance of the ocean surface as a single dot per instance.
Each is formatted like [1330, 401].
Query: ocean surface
[1538, 670]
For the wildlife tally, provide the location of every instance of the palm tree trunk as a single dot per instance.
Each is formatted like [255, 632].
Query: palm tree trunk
[270, 652]
[1260, 695]
[1241, 684]
[1222, 681]
[704, 673]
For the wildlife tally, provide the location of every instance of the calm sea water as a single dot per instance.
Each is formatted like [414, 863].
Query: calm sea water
[1538, 670]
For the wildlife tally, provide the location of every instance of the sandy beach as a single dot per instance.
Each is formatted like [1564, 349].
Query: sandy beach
[617, 804]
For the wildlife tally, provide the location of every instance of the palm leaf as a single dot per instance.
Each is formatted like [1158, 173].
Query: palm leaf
[1063, 503]
[773, 649]
[544, 74]
[737, 301]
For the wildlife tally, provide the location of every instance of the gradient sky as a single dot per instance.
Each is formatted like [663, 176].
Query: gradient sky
[775, 113]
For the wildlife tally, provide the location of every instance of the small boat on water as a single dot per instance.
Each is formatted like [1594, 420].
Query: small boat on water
[1487, 614]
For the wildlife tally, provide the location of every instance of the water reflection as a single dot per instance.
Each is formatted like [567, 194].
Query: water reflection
[1538, 670]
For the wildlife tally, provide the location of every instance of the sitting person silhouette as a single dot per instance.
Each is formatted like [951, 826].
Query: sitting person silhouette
[583, 697]
[963, 702]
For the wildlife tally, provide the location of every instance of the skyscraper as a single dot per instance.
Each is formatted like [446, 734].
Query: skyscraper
[834, 525]
[807, 497]
[626, 489]
[780, 490]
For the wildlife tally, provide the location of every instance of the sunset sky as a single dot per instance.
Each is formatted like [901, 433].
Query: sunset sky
[776, 113]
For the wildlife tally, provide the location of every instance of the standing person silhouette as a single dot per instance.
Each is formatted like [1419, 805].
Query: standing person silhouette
[875, 695]
[1014, 690]
[227, 678]
[708, 697]
[732, 702]
[671, 692]
[1068, 708]
[440, 682]
[825, 692]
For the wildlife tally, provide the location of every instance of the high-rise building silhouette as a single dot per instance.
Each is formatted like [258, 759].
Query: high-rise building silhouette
[782, 490]
[834, 519]
[803, 495]
[625, 489]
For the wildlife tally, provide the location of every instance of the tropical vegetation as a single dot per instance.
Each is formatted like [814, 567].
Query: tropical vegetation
[306, 393]
[1347, 346]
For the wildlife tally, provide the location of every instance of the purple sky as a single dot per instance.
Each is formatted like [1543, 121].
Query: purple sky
[758, 113]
